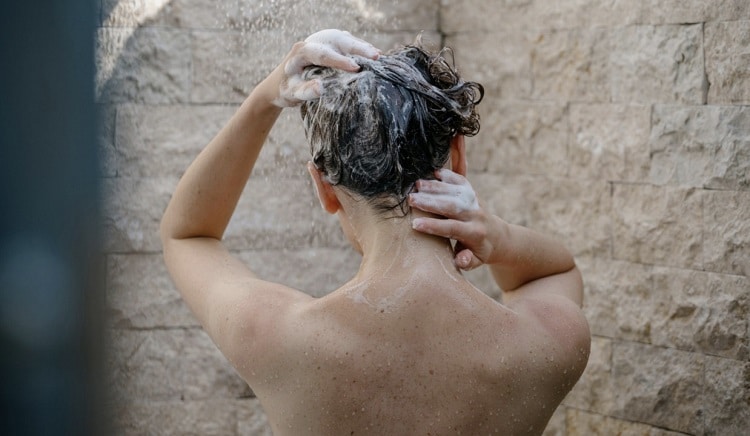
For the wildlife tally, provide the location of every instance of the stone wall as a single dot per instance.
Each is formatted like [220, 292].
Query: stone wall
[622, 128]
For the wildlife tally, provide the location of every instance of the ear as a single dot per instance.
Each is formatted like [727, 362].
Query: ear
[458, 155]
[323, 190]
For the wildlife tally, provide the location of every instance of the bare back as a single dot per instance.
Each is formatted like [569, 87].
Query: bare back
[445, 360]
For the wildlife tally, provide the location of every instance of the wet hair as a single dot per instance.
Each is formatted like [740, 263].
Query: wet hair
[377, 131]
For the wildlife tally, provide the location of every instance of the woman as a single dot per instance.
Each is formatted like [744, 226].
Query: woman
[408, 345]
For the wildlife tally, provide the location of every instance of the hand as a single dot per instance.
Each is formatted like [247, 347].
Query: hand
[463, 218]
[327, 48]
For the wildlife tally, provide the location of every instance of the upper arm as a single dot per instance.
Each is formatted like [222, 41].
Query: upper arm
[568, 284]
[235, 307]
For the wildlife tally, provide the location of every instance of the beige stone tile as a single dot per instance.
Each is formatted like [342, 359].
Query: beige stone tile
[727, 62]
[582, 423]
[658, 225]
[619, 298]
[556, 424]
[170, 365]
[575, 212]
[573, 65]
[228, 64]
[458, 16]
[583, 13]
[179, 418]
[282, 214]
[701, 312]
[594, 391]
[106, 140]
[657, 64]
[727, 396]
[726, 232]
[701, 146]
[659, 386]
[598, 149]
[140, 294]
[520, 138]
[148, 65]
[132, 210]
[155, 141]
[500, 60]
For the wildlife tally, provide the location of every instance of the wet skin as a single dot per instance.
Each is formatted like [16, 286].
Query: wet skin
[408, 346]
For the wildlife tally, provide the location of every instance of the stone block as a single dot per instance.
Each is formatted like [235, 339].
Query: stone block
[701, 146]
[500, 60]
[228, 65]
[148, 65]
[413, 16]
[726, 232]
[140, 294]
[702, 312]
[728, 62]
[106, 139]
[282, 214]
[170, 365]
[316, 271]
[556, 424]
[137, 13]
[179, 418]
[659, 386]
[458, 16]
[594, 392]
[131, 213]
[727, 396]
[658, 225]
[689, 11]
[657, 64]
[597, 148]
[252, 420]
[550, 14]
[673, 11]
[520, 138]
[154, 141]
[583, 423]
[572, 211]
[619, 298]
[572, 65]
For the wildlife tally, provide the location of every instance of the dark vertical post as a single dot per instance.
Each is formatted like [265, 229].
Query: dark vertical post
[50, 269]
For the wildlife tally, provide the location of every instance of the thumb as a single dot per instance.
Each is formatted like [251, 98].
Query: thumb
[466, 260]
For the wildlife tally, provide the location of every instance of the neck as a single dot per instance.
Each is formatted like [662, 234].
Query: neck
[392, 250]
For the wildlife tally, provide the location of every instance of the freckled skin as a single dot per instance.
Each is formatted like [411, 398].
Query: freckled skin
[408, 346]
[434, 364]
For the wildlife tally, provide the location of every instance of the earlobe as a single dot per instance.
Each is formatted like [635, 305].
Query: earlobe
[323, 190]
[458, 155]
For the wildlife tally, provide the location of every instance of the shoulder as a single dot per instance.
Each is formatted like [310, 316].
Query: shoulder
[558, 326]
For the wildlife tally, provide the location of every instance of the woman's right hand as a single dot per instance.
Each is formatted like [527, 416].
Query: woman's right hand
[327, 48]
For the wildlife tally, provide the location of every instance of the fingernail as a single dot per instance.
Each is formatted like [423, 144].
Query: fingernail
[416, 223]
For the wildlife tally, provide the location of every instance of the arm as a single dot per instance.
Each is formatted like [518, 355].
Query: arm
[523, 262]
[220, 290]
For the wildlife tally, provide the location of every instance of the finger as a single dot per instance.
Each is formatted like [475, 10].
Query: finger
[451, 177]
[436, 187]
[448, 202]
[446, 228]
[444, 205]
